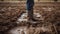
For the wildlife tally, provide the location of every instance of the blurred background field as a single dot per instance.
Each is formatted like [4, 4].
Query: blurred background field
[10, 12]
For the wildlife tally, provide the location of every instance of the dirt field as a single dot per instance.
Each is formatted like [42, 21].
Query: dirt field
[11, 11]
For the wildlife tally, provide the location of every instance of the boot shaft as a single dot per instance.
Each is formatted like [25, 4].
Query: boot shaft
[30, 14]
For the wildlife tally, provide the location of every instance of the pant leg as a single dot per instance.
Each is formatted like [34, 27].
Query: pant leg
[29, 6]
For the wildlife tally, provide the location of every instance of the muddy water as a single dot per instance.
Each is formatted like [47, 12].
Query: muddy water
[18, 30]
[30, 30]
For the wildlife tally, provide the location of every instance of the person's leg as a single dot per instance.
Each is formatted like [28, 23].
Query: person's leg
[30, 6]
[30, 10]
[30, 14]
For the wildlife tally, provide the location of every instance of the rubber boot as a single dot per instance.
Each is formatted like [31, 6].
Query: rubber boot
[31, 17]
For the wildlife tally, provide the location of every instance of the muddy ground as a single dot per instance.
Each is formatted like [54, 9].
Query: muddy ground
[11, 11]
